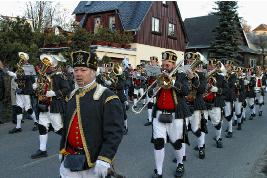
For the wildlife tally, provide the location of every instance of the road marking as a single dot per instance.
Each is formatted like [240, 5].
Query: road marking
[36, 162]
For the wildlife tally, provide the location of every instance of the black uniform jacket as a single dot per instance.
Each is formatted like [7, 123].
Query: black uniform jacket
[100, 122]
[250, 92]
[61, 87]
[230, 93]
[240, 90]
[222, 88]
[200, 86]
[180, 90]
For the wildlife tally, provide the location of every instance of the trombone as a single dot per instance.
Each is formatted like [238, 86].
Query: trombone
[160, 77]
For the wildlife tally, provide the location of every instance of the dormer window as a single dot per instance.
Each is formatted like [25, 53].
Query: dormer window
[112, 26]
[97, 24]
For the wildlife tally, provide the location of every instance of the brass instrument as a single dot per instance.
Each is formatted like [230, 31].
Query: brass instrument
[114, 74]
[163, 81]
[44, 82]
[23, 57]
[198, 59]
[209, 96]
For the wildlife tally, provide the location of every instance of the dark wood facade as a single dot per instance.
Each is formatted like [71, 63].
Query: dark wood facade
[166, 13]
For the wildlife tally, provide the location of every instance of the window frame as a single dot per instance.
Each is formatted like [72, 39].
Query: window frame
[153, 26]
[169, 34]
[109, 24]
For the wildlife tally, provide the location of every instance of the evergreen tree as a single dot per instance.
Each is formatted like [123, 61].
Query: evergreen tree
[227, 32]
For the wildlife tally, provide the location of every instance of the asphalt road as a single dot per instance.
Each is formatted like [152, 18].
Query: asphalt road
[242, 156]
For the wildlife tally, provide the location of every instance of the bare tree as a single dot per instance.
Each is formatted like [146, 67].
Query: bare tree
[46, 14]
[246, 26]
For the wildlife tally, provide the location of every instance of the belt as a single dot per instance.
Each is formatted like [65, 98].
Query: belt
[77, 150]
[164, 111]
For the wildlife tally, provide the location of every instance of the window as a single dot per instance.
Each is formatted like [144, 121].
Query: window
[164, 2]
[171, 31]
[112, 26]
[252, 62]
[97, 24]
[155, 24]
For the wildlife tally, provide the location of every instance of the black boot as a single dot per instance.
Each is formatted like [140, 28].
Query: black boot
[125, 131]
[260, 113]
[201, 153]
[15, 130]
[239, 126]
[219, 143]
[39, 154]
[156, 175]
[229, 135]
[179, 170]
[148, 124]
[234, 123]
[35, 126]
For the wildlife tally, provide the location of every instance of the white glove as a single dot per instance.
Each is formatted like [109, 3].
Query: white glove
[214, 89]
[108, 82]
[60, 157]
[11, 74]
[34, 86]
[50, 93]
[101, 168]
[246, 82]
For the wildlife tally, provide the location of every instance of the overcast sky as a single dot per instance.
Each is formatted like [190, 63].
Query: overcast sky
[254, 12]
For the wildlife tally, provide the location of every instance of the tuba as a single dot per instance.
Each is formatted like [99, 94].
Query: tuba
[114, 74]
[44, 82]
[210, 96]
[23, 57]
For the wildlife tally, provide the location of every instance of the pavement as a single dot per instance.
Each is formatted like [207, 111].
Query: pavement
[243, 156]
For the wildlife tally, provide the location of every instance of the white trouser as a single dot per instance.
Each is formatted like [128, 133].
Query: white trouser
[138, 92]
[259, 97]
[23, 101]
[215, 115]
[45, 118]
[174, 130]
[195, 120]
[228, 108]
[238, 110]
[66, 173]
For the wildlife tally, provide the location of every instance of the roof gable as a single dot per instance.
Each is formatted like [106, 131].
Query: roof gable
[261, 27]
[131, 13]
[200, 31]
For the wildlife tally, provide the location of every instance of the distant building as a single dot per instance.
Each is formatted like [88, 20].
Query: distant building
[261, 29]
[155, 25]
[200, 32]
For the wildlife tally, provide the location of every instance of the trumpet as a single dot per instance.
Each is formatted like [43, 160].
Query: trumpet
[163, 81]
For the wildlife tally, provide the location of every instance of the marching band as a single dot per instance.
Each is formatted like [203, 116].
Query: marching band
[181, 95]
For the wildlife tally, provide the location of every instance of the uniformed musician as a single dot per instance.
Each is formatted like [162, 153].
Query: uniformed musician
[51, 105]
[169, 113]
[93, 125]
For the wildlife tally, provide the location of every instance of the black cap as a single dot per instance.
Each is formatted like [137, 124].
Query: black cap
[169, 56]
[84, 59]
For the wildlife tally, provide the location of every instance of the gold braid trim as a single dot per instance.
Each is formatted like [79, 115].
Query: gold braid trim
[87, 153]
[111, 98]
[83, 92]
[72, 117]
[103, 158]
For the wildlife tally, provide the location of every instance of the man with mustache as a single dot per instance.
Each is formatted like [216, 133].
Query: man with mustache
[93, 124]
